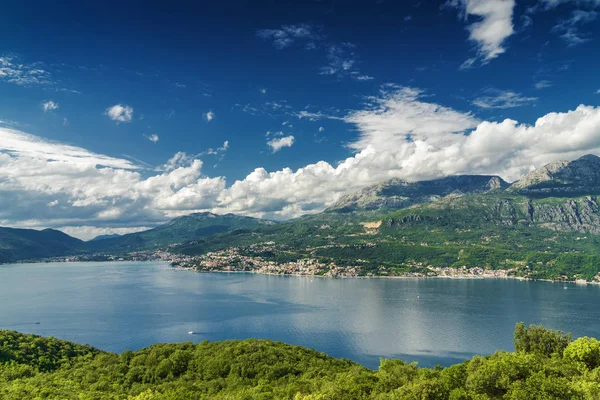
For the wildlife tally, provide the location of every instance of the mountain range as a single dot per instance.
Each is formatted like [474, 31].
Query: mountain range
[554, 210]
[27, 244]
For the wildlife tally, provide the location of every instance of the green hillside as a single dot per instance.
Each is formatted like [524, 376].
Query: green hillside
[178, 230]
[545, 365]
[29, 244]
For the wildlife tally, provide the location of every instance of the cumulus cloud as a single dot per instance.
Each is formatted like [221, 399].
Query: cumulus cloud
[402, 133]
[153, 138]
[209, 116]
[279, 143]
[120, 113]
[48, 184]
[49, 106]
[495, 98]
[493, 27]
[403, 136]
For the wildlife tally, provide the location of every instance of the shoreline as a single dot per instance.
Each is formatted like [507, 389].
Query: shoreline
[179, 268]
[456, 277]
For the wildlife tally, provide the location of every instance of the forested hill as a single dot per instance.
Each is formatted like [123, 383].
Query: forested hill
[545, 365]
[21, 244]
[29, 244]
[181, 229]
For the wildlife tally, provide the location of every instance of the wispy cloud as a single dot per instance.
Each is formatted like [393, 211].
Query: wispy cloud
[341, 58]
[287, 35]
[217, 151]
[342, 62]
[14, 71]
[569, 29]
[153, 138]
[49, 106]
[542, 84]
[492, 29]
[209, 116]
[495, 98]
[120, 113]
[279, 143]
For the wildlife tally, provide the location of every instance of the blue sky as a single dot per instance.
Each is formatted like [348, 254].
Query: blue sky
[275, 109]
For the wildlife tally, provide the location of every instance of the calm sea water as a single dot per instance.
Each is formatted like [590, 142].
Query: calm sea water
[119, 306]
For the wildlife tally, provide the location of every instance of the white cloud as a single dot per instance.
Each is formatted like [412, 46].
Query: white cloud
[153, 138]
[90, 232]
[321, 129]
[401, 134]
[49, 106]
[287, 35]
[218, 150]
[279, 143]
[120, 113]
[23, 145]
[543, 84]
[48, 184]
[491, 30]
[209, 116]
[495, 98]
[263, 91]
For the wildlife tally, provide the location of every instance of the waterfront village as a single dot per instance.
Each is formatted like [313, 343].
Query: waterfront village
[261, 258]
[251, 259]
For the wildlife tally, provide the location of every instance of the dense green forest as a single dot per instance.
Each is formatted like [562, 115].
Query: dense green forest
[546, 364]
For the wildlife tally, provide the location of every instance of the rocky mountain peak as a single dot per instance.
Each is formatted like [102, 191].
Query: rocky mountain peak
[562, 177]
[399, 193]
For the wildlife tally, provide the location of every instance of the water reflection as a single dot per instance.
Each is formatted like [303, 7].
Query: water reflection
[438, 321]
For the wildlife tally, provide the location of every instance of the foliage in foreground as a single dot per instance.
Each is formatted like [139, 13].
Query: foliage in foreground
[545, 365]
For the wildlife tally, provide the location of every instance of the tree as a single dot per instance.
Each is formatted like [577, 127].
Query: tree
[539, 340]
[585, 350]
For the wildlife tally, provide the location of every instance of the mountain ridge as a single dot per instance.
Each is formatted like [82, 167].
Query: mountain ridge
[399, 193]
[562, 178]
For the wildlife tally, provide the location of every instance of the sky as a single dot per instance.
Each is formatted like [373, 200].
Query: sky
[117, 116]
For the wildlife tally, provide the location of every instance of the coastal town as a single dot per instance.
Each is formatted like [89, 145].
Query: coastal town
[252, 259]
[276, 259]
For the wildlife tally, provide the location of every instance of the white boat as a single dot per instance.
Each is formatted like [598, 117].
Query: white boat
[190, 332]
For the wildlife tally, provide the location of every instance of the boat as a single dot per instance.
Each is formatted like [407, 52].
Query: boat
[190, 332]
